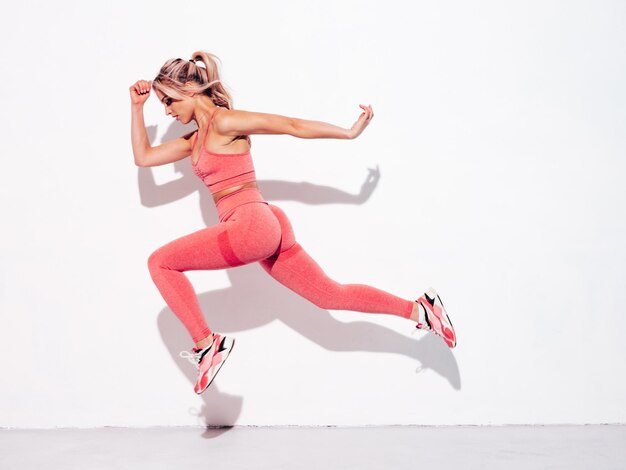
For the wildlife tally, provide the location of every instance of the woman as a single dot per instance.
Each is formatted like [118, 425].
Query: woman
[250, 229]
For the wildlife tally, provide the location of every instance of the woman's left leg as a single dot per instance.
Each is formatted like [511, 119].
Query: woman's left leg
[249, 234]
[293, 267]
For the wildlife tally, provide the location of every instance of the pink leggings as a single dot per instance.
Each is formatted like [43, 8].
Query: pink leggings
[250, 230]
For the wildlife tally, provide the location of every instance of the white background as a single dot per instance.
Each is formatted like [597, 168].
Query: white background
[497, 156]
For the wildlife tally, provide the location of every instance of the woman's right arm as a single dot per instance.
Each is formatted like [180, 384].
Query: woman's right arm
[144, 153]
[139, 136]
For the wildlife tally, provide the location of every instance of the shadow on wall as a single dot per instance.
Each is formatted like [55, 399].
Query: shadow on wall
[271, 301]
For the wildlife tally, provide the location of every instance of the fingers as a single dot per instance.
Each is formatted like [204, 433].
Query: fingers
[369, 112]
[143, 86]
[146, 86]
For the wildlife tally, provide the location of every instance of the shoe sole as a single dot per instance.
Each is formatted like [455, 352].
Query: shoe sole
[432, 293]
[226, 353]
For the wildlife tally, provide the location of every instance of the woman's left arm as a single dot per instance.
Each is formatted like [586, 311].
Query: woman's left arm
[237, 122]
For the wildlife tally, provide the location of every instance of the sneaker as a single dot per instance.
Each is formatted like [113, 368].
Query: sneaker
[435, 317]
[209, 360]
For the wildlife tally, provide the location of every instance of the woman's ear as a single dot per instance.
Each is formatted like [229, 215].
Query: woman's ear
[188, 84]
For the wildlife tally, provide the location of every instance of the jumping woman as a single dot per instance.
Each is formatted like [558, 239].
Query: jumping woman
[250, 229]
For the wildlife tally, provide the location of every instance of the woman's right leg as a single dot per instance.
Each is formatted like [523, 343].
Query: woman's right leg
[293, 267]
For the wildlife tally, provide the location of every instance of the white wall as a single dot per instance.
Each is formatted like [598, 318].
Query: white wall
[499, 140]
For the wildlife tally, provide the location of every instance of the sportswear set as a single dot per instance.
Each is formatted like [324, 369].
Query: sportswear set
[252, 230]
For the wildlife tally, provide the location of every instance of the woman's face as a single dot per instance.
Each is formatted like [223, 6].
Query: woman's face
[181, 110]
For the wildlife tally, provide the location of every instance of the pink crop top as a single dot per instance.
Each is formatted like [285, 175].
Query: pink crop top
[222, 170]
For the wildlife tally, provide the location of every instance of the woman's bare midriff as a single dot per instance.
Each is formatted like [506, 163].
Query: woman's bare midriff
[220, 194]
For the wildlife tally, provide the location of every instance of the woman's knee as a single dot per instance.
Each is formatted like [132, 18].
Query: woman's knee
[157, 259]
[154, 260]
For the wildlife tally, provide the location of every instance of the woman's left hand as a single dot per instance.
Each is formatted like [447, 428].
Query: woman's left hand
[361, 123]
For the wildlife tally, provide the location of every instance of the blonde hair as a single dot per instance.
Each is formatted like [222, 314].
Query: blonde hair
[174, 73]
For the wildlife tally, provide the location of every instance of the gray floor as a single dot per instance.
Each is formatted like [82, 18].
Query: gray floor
[295, 447]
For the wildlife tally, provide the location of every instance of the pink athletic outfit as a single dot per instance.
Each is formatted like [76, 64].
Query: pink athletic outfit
[251, 230]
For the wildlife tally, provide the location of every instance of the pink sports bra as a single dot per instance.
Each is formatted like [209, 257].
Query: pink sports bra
[222, 170]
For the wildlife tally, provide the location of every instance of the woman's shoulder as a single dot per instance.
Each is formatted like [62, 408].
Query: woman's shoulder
[222, 112]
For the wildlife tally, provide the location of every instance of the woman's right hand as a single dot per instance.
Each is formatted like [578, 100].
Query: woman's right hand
[140, 91]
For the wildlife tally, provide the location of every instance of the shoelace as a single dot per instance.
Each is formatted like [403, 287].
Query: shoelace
[193, 357]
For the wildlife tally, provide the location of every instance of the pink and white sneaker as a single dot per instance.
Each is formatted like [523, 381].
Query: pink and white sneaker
[436, 318]
[209, 360]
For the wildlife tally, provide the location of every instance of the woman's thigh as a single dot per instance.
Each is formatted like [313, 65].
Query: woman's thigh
[251, 233]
